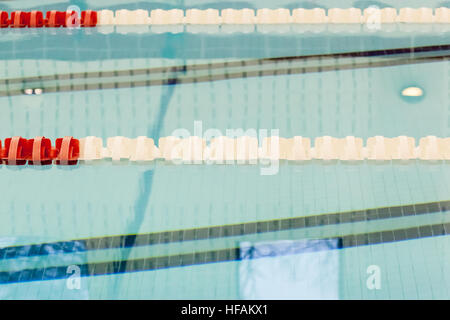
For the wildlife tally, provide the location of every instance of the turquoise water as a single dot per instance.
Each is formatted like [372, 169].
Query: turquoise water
[75, 205]
[363, 103]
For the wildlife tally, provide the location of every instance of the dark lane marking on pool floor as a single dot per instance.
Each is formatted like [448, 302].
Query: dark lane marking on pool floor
[411, 51]
[170, 76]
[182, 79]
[224, 231]
[213, 256]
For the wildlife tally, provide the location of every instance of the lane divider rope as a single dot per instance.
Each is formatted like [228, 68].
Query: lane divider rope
[39, 151]
[221, 150]
[241, 17]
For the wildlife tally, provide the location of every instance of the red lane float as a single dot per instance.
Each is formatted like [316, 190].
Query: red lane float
[19, 19]
[39, 151]
[56, 19]
[4, 21]
[36, 19]
[68, 151]
[16, 151]
[52, 19]
[88, 18]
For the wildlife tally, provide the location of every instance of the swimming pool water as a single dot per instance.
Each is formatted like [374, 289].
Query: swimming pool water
[187, 224]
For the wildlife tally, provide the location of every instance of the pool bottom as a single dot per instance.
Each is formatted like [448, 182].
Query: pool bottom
[412, 269]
